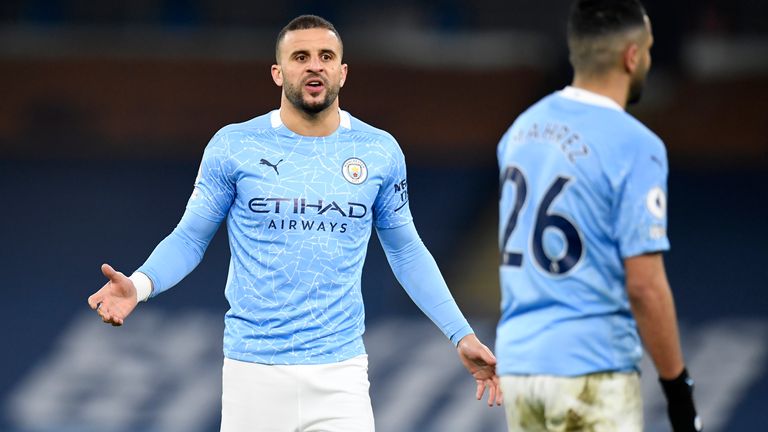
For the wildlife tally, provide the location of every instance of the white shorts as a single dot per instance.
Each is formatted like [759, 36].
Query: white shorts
[296, 398]
[608, 401]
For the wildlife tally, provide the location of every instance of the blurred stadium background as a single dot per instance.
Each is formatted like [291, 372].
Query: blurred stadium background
[107, 106]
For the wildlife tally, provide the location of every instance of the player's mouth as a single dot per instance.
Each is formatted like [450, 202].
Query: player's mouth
[314, 85]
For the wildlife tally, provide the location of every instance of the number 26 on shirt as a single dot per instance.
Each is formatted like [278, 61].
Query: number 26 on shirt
[556, 265]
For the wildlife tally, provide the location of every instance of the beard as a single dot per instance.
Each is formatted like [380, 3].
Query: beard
[295, 96]
[636, 86]
[635, 91]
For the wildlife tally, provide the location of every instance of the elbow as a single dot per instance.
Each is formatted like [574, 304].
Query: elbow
[646, 280]
[638, 292]
[406, 254]
[646, 292]
[194, 241]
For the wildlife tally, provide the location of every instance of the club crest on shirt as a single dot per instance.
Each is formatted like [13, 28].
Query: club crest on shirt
[354, 170]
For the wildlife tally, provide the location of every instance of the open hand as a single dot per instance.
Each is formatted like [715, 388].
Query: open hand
[116, 299]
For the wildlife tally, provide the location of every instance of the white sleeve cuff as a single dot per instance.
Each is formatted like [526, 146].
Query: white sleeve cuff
[143, 286]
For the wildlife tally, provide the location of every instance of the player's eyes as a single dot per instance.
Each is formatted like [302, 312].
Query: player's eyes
[304, 57]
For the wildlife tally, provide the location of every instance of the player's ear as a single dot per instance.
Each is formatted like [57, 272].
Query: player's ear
[277, 75]
[343, 74]
[631, 57]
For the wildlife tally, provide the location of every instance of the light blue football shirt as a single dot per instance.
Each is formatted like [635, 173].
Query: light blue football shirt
[299, 214]
[583, 186]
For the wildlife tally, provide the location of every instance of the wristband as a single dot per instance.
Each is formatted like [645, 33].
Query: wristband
[143, 286]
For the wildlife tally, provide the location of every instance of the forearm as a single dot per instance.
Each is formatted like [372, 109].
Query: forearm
[654, 311]
[655, 314]
[418, 273]
[179, 253]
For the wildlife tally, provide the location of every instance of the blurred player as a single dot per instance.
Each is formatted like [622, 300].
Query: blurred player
[301, 187]
[583, 220]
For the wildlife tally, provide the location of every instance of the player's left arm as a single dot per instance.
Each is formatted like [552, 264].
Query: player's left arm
[417, 272]
[641, 225]
[654, 310]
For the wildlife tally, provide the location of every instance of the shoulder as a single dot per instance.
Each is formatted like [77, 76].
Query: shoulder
[261, 125]
[536, 110]
[610, 129]
[640, 136]
[533, 113]
[524, 120]
[365, 132]
[630, 148]
[633, 143]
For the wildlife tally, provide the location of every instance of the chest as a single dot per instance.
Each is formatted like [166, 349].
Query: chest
[339, 185]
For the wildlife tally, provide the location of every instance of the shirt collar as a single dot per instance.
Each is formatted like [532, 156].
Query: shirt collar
[588, 97]
[344, 119]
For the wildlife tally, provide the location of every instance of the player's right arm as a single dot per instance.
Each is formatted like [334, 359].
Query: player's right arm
[172, 260]
[179, 253]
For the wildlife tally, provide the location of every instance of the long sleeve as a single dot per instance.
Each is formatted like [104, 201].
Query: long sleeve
[179, 253]
[417, 272]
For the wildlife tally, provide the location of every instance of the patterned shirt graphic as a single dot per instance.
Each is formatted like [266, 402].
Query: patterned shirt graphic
[583, 187]
[299, 213]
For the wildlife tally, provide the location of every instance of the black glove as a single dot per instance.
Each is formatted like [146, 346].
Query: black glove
[680, 407]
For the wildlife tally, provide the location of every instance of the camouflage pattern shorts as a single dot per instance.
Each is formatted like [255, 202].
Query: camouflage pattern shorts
[607, 401]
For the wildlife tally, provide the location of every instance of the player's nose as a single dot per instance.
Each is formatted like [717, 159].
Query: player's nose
[315, 64]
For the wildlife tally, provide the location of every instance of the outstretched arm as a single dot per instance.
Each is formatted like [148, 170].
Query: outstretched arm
[116, 299]
[179, 253]
[174, 258]
[417, 272]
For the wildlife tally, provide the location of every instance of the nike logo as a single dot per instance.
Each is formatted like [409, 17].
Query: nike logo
[268, 163]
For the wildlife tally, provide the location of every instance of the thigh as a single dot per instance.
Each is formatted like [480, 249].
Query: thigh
[613, 402]
[258, 398]
[523, 406]
[596, 402]
[335, 397]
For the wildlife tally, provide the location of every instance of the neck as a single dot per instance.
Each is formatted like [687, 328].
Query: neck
[323, 123]
[613, 86]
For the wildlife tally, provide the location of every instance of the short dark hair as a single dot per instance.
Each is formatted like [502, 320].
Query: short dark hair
[305, 22]
[593, 24]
